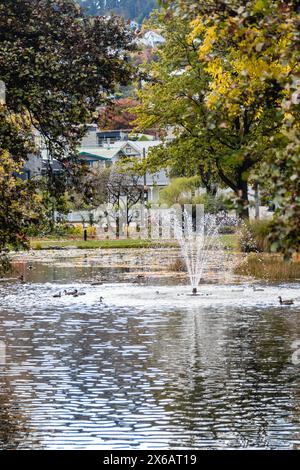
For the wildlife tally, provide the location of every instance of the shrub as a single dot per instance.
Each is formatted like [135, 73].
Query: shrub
[212, 204]
[70, 230]
[227, 229]
[177, 265]
[254, 236]
[269, 268]
[91, 231]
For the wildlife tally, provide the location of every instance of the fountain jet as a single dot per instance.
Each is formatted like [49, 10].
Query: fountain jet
[199, 241]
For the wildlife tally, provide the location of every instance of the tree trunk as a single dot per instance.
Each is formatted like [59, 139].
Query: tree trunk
[240, 188]
[243, 202]
[117, 227]
[127, 220]
[257, 201]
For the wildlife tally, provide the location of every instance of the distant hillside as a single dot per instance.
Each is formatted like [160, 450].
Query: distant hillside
[134, 9]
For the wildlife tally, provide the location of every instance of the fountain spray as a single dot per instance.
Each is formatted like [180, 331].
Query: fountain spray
[199, 241]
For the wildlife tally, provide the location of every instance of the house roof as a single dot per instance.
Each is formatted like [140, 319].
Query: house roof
[111, 151]
[97, 153]
[145, 144]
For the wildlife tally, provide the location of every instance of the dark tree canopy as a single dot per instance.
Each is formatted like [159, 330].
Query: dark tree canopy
[59, 65]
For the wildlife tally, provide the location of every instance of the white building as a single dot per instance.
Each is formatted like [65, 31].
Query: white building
[100, 150]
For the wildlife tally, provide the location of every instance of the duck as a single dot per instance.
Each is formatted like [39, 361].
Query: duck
[78, 294]
[71, 292]
[285, 302]
[57, 295]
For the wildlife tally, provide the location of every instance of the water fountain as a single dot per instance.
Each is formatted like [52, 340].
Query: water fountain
[198, 237]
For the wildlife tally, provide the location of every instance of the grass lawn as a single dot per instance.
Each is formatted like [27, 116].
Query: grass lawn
[44, 244]
[229, 241]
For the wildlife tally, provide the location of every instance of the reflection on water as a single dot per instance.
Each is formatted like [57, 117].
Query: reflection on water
[92, 375]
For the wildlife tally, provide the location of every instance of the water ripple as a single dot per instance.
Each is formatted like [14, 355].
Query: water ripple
[194, 373]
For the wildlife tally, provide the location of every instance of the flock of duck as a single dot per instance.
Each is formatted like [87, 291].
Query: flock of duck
[73, 293]
[260, 289]
[139, 277]
[77, 293]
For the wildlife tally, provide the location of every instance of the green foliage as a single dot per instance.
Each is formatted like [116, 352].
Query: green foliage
[182, 191]
[233, 87]
[58, 67]
[212, 204]
[179, 191]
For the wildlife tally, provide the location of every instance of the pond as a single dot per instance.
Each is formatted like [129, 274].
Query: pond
[147, 366]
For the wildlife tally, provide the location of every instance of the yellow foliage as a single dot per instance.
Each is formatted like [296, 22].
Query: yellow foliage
[240, 58]
[209, 39]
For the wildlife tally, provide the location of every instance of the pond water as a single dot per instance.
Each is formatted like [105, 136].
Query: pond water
[148, 366]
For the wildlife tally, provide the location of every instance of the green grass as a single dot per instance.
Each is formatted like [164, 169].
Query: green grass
[44, 244]
[229, 241]
[269, 268]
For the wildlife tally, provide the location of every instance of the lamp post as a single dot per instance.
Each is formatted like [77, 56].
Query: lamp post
[85, 232]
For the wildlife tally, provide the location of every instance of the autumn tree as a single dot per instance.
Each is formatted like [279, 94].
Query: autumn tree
[207, 85]
[118, 115]
[252, 56]
[20, 207]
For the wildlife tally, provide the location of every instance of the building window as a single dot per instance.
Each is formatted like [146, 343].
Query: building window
[102, 140]
[128, 150]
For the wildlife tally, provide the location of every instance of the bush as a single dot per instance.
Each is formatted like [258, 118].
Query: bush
[254, 236]
[269, 268]
[212, 204]
[227, 229]
[177, 265]
[75, 230]
[72, 231]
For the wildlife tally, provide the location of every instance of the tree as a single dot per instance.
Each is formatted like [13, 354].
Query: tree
[124, 192]
[179, 191]
[20, 207]
[117, 114]
[96, 181]
[214, 84]
[260, 62]
[58, 66]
